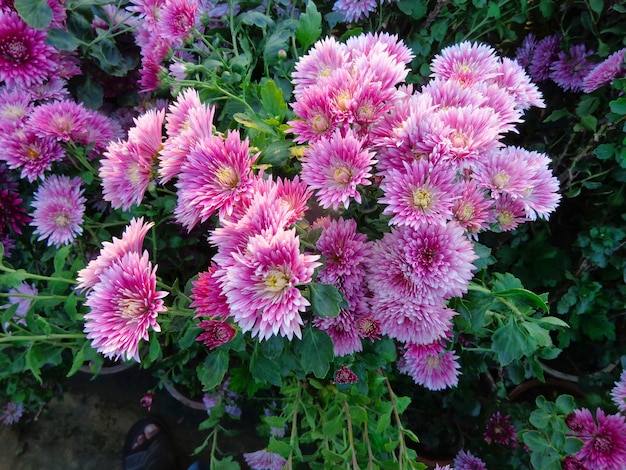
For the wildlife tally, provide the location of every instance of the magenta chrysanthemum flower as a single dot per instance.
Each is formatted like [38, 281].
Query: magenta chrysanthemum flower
[207, 297]
[123, 305]
[100, 130]
[12, 213]
[500, 431]
[59, 207]
[570, 69]
[473, 210]
[604, 448]
[11, 413]
[467, 63]
[216, 333]
[571, 463]
[431, 263]
[262, 284]
[546, 52]
[335, 166]
[177, 19]
[316, 118]
[464, 460]
[618, 393]
[345, 376]
[421, 194]
[264, 460]
[215, 177]
[14, 107]
[343, 331]
[430, 366]
[524, 54]
[25, 58]
[355, 10]
[581, 421]
[131, 242]
[32, 155]
[604, 72]
[66, 121]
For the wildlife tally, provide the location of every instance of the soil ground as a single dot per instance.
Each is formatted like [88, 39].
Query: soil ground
[86, 428]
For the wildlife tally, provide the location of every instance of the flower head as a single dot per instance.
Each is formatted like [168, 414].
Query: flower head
[545, 53]
[216, 333]
[208, 300]
[65, 121]
[177, 19]
[355, 10]
[604, 72]
[11, 413]
[604, 442]
[32, 155]
[12, 214]
[571, 68]
[59, 207]
[431, 366]
[464, 460]
[500, 431]
[467, 63]
[345, 376]
[123, 305]
[618, 393]
[264, 460]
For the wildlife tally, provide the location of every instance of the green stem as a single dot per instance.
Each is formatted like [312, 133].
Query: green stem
[398, 422]
[346, 410]
[15, 338]
[370, 454]
[31, 296]
[37, 277]
[294, 429]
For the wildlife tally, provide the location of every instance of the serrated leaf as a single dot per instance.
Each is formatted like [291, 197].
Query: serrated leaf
[266, 371]
[524, 294]
[325, 300]
[211, 372]
[36, 13]
[315, 351]
[510, 342]
[310, 26]
[62, 39]
[272, 100]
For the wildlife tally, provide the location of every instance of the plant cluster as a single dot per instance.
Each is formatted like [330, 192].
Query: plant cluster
[367, 221]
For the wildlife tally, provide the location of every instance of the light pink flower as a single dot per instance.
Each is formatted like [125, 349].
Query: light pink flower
[513, 79]
[467, 63]
[177, 19]
[474, 209]
[316, 117]
[33, 156]
[124, 305]
[262, 285]
[421, 194]
[131, 242]
[618, 393]
[325, 56]
[431, 366]
[604, 72]
[335, 166]
[59, 207]
[264, 460]
[509, 213]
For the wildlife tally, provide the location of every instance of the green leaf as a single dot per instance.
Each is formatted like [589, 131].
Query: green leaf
[605, 151]
[254, 122]
[416, 9]
[90, 93]
[279, 447]
[618, 106]
[325, 300]
[211, 372]
[278, 40]
[539, 335]
[61, 257]
[62, 39]
[510, 342]
[565, 404]
[553, 321]
[226, 463]
[523, 294]
[272, 100]
[596, 6]
[266, 371]
[572, 445]
[257, 19]
[536, 441]
[310, 26]
[155, 352]
[315, 351]
[79, 359]
[35, 13]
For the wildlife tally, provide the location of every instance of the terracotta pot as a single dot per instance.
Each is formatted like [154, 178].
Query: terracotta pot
[196, 405]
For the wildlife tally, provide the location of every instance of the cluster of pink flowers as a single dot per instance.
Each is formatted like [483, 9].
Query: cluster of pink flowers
[121, 294]
[444, 174]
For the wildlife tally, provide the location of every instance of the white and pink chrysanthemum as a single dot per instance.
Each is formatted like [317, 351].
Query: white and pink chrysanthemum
[32, 155]
[131, 242]
[421, 194]
[335, 166]
[618, 393]
[262, 284]
[325, 56]
[59, 207]
[474, 209]
[343, 331]
[215, 177]
[124, 305]
[66, 121]
[25, 58]
[177, 19]
[467, 63]
[431, 366]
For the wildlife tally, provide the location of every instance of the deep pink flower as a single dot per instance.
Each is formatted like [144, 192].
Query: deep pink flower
[604, 447]
[216, 175]
[473, 210]
[421, 194]
[59, 207]
[33, 156]
[12, 213]
[146, 400]
[207, 297]
[618, 393]
[604, 72]
[343, 331]
[368, 328]
[262, 284]
[431, 367]
[177, 19]
[345, 376]
[123, 305]
[264, 460]
[500, 431]
[25, 58]
[467, 63]
[216, 333]
[66, 121]
[316, 117]
[131, 242]
[571, 463]
[570, 69]
[335, 166]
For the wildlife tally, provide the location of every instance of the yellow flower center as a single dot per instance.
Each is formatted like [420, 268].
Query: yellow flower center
[342, 175]
[32, 153]
[276, 281]
[61, 219]
[320, 123]
[505, 218]
[227, 177]
[500, 180]
[459, 140]
[421, 198]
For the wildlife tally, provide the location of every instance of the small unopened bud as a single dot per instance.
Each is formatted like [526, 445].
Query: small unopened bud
[282, 54]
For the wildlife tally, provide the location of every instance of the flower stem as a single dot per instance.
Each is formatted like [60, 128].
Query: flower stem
[12, 338]
[37, 277]
[398, 422]
[294, 430]
[355, 464]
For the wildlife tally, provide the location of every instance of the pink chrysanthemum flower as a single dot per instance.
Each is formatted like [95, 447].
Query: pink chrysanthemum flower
[509, 213]
[316, 118]
[100, 130]
[355, 10]
[544, 55]
[335, 166]
[382, 56]
[581, 421]
[618, 393]
[131, 242]
[215, 177]
[431, 366]
[369, 44]
[264, 460]
[500, 431]
[177, 118]
[421, 194]
[464, 460]
[325, 56]
[66, 121]
[604, 72]
[571, 463]
[450, 93]
[571, 68]
[14, 107]
[32, 155]
[409, 320]
[147, 133]
[216, 333]
[25, 58]
[604, 448]
[343, 332]
[345, 376]
[512, 78]
[59, 207]
[467, 63]
[188, 125]
[123, 305]
[473, 210]
[262, 285]
[22, 297]
[503, 105]
[207, 297]
[177, 19]
[431, 262]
